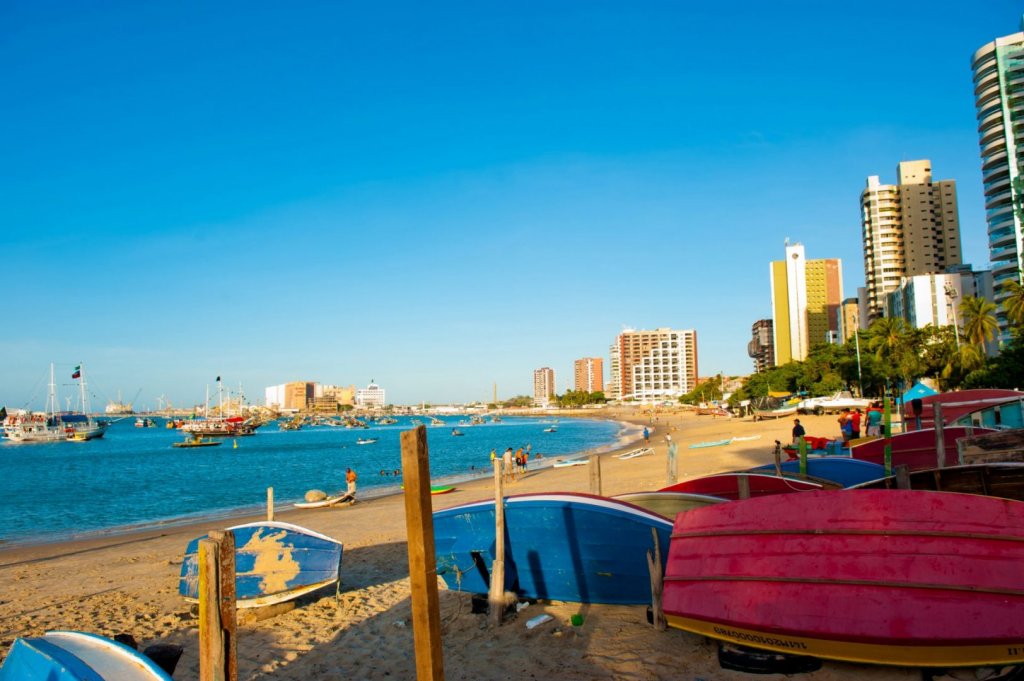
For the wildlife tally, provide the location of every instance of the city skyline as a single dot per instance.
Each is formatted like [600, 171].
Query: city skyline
[343, 194]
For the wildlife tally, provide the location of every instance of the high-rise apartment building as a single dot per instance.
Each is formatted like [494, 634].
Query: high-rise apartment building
[370, 397]
[805, 301]
[543, 386]
[909, 228]
[648, 366]
[849, 318]
[999, 99]
[589, 374]
[761, 347]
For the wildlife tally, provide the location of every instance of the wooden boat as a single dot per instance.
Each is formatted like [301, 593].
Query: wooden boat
[1003, 480]
[197, 441]
[77, 656]
[916, 448]
[727, 485]
[954, 406]
[567, 547]
[1008, 414]
[634, 453]
[896, 577]
[327, 501]
[845, 472]
[715, 443]
[781, 412]
[571, 462]
[441, 489]
[274, 562]
[998, 447]
[668, 504]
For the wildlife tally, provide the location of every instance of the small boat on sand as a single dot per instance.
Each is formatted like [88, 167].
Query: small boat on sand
[730, 485]
[893, 577]
[714, 443]
[77, 656]
[668, 504]
[274, 562]
[1003, 480]
[566, 547]
[916, 448]
[846, 472]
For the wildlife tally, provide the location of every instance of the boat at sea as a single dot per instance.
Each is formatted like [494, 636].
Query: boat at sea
[366, 440]
[434, 421]
[894, 577]
[144, 422]
[22, 426]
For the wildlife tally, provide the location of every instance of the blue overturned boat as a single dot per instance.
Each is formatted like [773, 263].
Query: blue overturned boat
[274, 562]
[846, 472]
[565, 547]
[76, 656]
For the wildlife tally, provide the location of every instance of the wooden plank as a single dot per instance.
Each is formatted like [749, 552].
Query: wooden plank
[743, 485]
[211, 641]
[228, 609]
[270, 504]
[496, 596]
[595, 474]
[940, 438]
[903, 477]
[426, 610]
[657, 584]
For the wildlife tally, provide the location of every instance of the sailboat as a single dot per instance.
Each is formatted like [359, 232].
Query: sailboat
[52, 426]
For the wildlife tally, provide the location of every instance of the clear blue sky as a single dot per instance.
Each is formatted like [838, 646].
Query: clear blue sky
[441, 196]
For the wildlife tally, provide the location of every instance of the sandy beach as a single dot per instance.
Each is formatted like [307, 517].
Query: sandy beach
[128, 584]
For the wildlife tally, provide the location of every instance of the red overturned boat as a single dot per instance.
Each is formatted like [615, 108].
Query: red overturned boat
[728, 485]
[916, 449]
[894, 577]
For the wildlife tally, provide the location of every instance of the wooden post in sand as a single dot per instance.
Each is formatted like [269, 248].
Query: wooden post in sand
[496, 595]
[657, 584]
[226, 599]
[212, 662]
[270, 504]
[673, 476]
[595, 474]
[940, 437]
[743, 486]
[426, 609]
[903, 476]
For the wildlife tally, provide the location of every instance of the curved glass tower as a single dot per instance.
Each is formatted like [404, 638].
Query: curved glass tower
[999, 99]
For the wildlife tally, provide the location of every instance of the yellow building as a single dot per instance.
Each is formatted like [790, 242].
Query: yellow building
[806, 295]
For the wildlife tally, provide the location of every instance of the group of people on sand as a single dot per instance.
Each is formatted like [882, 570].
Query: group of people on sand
[514, 463]
[851, 420]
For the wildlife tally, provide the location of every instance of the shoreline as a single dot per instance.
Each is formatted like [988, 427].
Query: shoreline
[251, 512]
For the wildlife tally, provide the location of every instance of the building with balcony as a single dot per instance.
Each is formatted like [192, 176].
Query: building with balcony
[909, 228]
[805, 303]
[543, 386]
[589, 374]
[934, 299]
[649, 366]
[999, 101]
[761, 347]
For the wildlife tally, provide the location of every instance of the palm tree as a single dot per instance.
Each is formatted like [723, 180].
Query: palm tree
[1014, 303]
[979, 317]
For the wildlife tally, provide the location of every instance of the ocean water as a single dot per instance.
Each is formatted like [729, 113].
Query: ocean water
[133, 477]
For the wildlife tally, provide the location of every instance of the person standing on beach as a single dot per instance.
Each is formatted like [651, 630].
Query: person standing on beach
[506, 465]
[798, 431]
[647, 437]
[350, 480]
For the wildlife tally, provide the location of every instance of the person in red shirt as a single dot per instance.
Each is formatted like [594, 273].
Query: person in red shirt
[855, 424]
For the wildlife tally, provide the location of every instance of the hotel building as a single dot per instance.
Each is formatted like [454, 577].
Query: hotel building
[908, 228]
[761, 347]
[589, 373]
[370, 397]
[934, 299]
[648, 366]
[999, 100]
[294, 396]
[543, 386]
[805, 302]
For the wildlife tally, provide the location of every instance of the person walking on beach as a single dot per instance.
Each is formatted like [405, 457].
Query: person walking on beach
[647, 437]
[350, 480]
